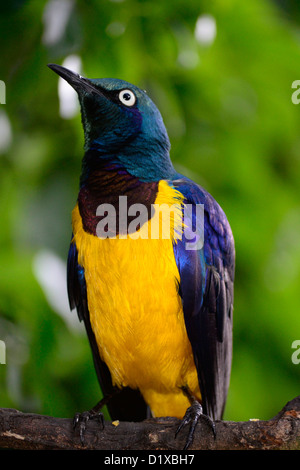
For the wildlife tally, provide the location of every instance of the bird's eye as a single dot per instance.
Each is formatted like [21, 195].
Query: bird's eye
[127, 97]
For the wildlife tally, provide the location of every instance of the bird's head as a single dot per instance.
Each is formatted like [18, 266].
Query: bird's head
[121, 122]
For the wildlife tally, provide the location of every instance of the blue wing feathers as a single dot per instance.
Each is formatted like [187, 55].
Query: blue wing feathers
[206, 289]
[72, 277]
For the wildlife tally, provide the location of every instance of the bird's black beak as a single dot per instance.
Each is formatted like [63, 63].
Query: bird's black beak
[76, 81]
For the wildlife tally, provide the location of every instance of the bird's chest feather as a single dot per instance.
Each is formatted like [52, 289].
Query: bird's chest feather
[135, 310]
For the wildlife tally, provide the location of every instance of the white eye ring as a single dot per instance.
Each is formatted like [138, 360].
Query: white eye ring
[127, 97]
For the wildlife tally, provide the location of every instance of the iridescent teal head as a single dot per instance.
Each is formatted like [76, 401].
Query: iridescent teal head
[122, 123]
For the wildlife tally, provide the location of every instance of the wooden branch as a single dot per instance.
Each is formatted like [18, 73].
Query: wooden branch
[31, 431]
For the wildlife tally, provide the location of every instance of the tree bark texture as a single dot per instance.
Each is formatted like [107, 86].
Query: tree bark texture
[32, 431]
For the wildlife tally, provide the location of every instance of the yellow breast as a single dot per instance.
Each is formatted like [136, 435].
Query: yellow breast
[135, 310]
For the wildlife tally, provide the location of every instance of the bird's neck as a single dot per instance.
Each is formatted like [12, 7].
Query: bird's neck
[103, 182]
[147, 161]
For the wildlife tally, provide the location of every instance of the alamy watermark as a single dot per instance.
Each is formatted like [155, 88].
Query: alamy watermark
[174, 221]
[2, 352]
[296, 354]
[2, 92]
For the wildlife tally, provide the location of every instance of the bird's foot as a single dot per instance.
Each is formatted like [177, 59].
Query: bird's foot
[192, 416]
[81, 419]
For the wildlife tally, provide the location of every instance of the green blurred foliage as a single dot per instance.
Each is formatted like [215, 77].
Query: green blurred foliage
[233, 128]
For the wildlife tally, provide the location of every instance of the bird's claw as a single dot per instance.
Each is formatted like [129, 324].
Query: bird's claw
[81, 420]
[192, 416]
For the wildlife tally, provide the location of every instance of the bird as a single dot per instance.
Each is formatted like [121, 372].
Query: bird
[158, 310]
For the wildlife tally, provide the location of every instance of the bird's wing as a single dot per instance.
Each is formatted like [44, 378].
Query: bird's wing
[206, 289]
[127, 404]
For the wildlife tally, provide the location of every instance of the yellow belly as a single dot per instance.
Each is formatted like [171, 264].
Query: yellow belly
[136, 313]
